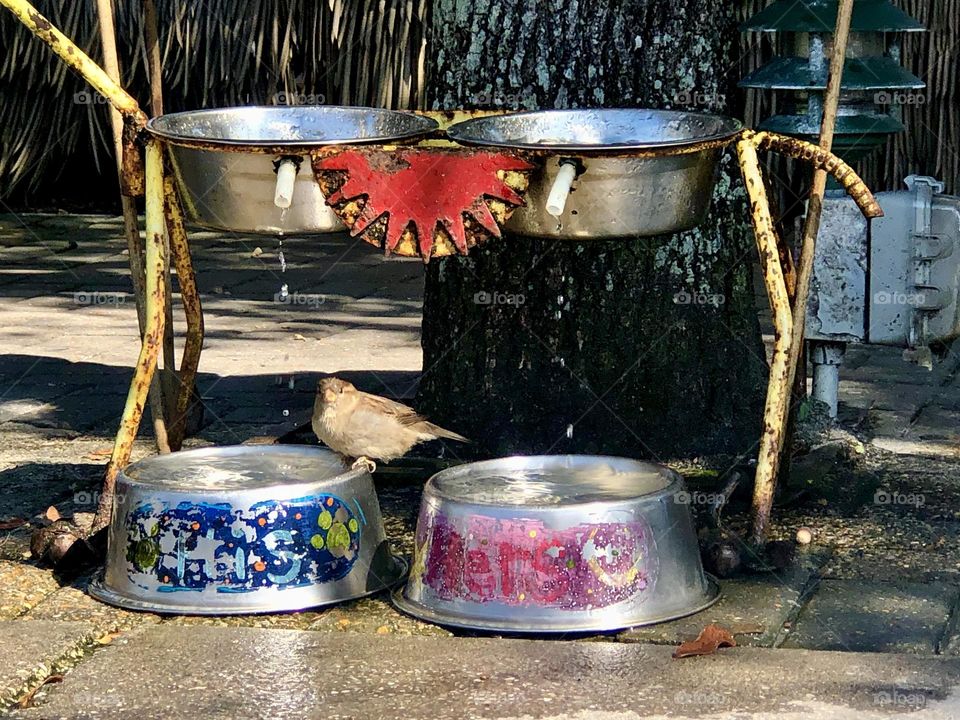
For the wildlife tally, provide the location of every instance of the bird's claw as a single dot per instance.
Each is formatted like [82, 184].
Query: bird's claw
[364, 463]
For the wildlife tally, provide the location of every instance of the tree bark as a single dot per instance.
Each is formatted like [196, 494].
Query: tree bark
[648, 347]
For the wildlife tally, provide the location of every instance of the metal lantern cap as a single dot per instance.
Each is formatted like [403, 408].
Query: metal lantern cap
[820, 16]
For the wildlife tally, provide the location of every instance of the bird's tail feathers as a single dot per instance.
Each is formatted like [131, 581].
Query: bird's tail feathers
[443, 433]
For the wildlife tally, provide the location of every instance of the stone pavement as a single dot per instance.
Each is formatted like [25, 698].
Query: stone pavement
[883, 574]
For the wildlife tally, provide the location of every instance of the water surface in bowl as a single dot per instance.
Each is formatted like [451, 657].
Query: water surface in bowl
[599, 128]
[219, 469]
[557, 482]
[307, 124]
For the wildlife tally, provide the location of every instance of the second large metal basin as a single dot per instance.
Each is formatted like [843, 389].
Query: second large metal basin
[225, 160]
[555, 543]
[638, 172]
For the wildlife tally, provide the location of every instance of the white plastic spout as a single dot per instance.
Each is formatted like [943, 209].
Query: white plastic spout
[557, 198]
[286, 179]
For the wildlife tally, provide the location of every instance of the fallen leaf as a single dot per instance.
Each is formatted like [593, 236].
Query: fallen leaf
[708, 641]
[102, 454]
[107, 639]
[257, 252]
[52, 514]
[13, 523]
[27, 700]
[298, 336]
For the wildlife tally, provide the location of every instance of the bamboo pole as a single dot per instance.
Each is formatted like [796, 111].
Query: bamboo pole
[152, 337]
[763, 494]
[167, 380]
[131, 222]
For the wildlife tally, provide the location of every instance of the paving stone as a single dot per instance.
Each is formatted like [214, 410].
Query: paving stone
[33, 650]
[214, 672]
[754, 608]
[857, 616]
[73, 604]
[22, 586]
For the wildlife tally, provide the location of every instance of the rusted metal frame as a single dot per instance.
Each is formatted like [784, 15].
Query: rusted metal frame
[155, 281]
[821, 160]
[77, 59]
[778, 386]
[190, 296]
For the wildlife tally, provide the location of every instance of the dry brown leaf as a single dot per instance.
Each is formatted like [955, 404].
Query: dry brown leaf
[52, 514]
[27, 700]
[13, 523]
[708, 641]
[103, 454]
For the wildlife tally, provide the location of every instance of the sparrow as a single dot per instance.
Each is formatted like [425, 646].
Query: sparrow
[359, 425]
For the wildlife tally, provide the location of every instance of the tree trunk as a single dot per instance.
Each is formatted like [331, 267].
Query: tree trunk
[647, 347]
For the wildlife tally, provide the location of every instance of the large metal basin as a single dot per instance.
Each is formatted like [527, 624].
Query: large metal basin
[555, 544]
[639, 172]
[225, 160]
[244, 530]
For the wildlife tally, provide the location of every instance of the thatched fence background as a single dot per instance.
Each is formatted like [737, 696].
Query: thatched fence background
[367, 52]
[214, 53]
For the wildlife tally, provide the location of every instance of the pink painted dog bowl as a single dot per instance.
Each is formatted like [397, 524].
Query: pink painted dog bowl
[556, 543]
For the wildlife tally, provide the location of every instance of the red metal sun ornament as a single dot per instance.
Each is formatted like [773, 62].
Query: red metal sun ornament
[433, 193]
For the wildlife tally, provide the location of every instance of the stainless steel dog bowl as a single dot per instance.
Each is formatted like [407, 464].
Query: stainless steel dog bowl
[225, 161]
[244, 529]
[638, 172]
[555, 544]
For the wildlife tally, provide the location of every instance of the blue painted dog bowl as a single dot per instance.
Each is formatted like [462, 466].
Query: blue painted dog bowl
[247, 529]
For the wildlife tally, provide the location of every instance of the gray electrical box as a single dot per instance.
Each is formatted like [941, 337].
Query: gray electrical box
[892, 281]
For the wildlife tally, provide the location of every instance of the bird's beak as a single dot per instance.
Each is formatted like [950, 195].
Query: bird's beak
[329, 396]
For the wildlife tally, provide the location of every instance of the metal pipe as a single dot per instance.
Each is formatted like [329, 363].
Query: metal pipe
[826, 358]
[286, 183]
[190, 295]
[152, 338]
[778, 385]
[560, 190]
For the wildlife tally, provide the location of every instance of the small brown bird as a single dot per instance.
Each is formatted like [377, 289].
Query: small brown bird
[364, 426]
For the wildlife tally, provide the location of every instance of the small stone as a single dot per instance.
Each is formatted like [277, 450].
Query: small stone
[804, 536]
